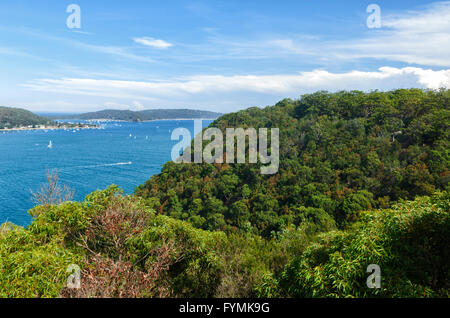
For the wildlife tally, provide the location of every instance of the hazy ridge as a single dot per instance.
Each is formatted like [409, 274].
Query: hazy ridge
[143, 115]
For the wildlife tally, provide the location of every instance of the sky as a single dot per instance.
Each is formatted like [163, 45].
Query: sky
[214, 55]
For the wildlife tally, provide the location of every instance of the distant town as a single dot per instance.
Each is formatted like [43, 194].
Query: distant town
[64, 126]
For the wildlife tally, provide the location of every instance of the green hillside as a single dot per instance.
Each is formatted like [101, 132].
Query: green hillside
[154, 114]
[110, 114]
[150, 114]
[339, 154]
[16, 117]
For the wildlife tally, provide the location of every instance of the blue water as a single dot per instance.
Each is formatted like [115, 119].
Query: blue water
[87, 160]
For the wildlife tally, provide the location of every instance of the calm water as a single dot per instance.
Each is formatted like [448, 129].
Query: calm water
[86, 160]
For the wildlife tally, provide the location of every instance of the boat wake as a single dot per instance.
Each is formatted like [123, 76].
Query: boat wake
[101, 165]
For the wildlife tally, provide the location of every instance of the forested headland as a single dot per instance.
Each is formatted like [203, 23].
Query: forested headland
[17, 117]
[12, 118]
[363, 179]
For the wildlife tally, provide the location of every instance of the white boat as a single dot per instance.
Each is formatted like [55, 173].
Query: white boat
[50, 145]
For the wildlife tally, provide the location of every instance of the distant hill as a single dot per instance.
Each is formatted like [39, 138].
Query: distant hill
[150, 114]
[17, 117]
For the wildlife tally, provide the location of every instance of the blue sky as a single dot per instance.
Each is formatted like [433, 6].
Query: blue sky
[214, 55]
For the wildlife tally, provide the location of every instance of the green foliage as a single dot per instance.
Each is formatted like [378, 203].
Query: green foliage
[409, 242]
[120, 233]
[111, 236]
[196, 274]
[31, 266]
[339, 152]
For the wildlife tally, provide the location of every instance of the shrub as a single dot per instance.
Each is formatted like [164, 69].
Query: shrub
[30, 267]
[409, 242]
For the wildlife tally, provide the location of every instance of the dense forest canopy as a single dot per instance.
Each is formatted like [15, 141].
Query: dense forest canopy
[363, 180]
[143, 115]
[16, 117]
[340, 153]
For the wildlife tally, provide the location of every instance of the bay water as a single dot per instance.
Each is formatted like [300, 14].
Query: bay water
[122, 153]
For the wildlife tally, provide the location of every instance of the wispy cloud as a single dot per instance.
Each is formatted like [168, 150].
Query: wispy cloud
[20, 53]
[112, 50]
[118, 51]
[415, 37]
[420, 37]
[152, 42]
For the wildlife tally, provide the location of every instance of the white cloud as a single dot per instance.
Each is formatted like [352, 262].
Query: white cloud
[216, 92]
[114, 105]
[138, 105]
[204, 85]
[156, 43]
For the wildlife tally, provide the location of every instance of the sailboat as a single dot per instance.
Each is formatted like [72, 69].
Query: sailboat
[50, 145]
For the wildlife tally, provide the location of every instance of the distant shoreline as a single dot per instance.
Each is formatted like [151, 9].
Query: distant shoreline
[142, 121]
[47, 128]
[182, 119]
[94, 127]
